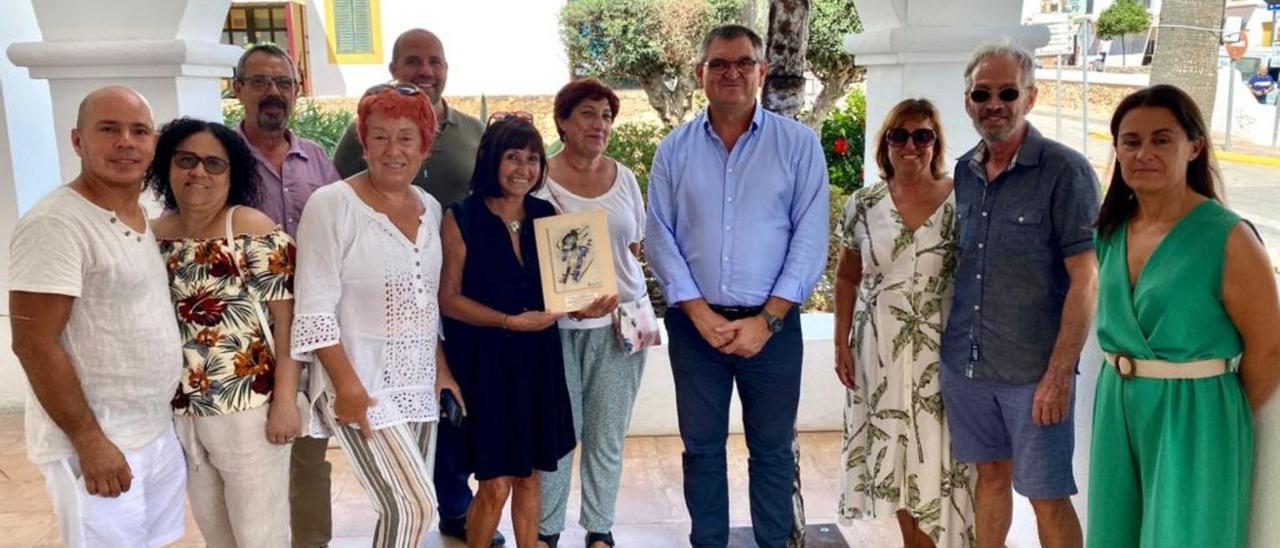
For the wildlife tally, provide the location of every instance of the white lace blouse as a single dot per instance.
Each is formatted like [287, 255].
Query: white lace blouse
[360, 282]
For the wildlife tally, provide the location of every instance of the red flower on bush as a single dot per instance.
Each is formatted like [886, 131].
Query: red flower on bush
[841, 146]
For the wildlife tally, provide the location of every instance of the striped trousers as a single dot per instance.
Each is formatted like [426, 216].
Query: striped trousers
[394, 467]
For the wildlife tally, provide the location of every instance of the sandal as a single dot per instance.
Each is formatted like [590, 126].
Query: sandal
[550, 540]
[606, 538]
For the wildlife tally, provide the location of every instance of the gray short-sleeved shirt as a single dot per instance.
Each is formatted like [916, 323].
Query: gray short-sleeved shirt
[1010, 279]
[446, 174]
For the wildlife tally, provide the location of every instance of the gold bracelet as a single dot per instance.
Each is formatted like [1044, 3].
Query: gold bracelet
[505, 317]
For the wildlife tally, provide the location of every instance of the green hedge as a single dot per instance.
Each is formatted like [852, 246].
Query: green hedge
[324, 126]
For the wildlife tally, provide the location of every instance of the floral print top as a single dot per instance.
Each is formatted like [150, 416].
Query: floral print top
[227, 364]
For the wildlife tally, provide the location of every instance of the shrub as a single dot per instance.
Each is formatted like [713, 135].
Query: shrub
[843, 142]
[823, 297]
[633, 145]
[309, 121]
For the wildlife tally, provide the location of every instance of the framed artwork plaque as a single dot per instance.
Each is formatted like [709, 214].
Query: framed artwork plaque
[575, 259]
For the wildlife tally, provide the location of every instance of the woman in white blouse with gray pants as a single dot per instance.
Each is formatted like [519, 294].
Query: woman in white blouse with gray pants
[368, 272]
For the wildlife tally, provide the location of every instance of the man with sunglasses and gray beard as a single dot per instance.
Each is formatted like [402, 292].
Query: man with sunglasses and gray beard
[1025, 288]
[290, 169]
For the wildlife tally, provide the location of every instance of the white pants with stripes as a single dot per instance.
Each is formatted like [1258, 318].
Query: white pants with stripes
[394, 467]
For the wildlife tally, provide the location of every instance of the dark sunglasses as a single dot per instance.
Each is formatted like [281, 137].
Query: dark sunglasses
[898, 137]
[1007, 95]
[401, 88]
[504, 116]
[213, 165]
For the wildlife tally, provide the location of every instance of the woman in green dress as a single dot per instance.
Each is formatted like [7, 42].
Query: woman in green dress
[1185, 289]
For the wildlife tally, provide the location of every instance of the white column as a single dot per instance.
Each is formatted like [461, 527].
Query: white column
[168, 50]
[919, 48]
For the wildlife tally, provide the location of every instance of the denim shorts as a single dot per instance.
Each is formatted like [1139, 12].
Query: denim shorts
[991, 421]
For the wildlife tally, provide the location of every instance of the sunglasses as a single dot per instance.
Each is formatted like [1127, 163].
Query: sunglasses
[898, 137]
[504, 116]
[213, 165]
[1007, 95]
[399, 87]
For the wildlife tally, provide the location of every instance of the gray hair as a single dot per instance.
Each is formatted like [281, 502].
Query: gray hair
[1004, 48]
[269, 49]
[731, 32]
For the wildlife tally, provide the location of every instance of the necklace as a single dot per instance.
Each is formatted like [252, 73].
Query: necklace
[514, 226]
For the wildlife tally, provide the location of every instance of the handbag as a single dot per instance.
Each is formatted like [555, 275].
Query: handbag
[636, 325]
[304, 405]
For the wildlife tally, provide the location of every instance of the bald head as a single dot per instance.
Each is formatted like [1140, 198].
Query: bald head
[112, 99]
[419, 37]
[418, 58]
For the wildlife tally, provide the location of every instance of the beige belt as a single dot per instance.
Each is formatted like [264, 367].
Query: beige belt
[1129, 367]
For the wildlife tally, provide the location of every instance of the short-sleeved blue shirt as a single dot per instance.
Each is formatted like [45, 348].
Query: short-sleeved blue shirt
[1010, 280]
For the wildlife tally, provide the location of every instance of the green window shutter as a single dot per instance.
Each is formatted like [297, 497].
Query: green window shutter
[352, 27]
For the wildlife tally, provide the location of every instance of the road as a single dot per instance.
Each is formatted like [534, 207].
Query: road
[1252, 190]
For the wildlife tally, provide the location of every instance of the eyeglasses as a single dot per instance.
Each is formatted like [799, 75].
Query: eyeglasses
[261, 82]
[897, 137]
[398, 87]
[504, 116]
[1007, 95]
[721, 66]
[213, 165]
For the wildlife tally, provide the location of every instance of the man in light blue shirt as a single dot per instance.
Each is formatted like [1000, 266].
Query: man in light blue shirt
[737, 235]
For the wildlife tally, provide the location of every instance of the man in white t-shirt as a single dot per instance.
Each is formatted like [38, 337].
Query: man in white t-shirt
[95, 332]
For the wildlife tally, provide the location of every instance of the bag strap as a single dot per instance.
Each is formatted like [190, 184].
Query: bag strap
[244, 282]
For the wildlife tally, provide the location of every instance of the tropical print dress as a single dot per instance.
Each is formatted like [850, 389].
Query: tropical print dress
[897, 450]
[228, 366]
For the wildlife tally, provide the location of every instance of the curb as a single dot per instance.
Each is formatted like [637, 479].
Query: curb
[1222, 155]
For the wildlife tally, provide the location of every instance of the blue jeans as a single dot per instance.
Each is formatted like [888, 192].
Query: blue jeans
[769, 386]
[452, 492]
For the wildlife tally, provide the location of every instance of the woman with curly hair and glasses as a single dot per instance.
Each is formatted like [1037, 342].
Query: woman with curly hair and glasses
[231, 280]
[368, 274]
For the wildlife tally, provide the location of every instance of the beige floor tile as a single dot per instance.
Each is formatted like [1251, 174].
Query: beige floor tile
[650, 511]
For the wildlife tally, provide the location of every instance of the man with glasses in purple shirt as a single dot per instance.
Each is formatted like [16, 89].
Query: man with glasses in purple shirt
[1025, 288]
[290, 168]
[737, 235]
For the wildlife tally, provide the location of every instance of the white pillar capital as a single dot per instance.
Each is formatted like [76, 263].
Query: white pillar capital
[167, 50]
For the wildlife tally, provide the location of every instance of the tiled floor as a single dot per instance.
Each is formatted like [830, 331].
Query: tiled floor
[651, 512]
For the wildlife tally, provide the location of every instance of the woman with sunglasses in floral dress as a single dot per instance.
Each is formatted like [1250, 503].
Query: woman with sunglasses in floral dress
[893, 279]
[236, 405]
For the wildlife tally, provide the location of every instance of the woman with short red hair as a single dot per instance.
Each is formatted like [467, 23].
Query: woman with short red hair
[369, 261]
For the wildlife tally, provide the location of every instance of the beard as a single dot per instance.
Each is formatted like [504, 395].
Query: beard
[998, 134]
[272, 121]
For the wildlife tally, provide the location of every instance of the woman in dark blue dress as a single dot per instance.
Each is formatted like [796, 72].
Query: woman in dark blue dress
[504, 347]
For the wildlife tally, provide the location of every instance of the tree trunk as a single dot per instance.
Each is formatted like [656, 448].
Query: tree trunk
[672, 105]
[1186, 53]
[784, 94]
[751, 14]
[785, 51]
[1124, 51]
[834, 88]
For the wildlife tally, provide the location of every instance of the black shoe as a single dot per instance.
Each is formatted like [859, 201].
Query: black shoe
[606, 538]
[550, 540]
[457, 528]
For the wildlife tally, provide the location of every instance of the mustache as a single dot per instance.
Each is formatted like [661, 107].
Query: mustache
[273, 101]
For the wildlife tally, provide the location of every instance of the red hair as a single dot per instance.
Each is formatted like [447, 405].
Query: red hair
[393, 104]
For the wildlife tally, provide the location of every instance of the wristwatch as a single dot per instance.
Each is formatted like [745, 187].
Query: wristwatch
[774, 323]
